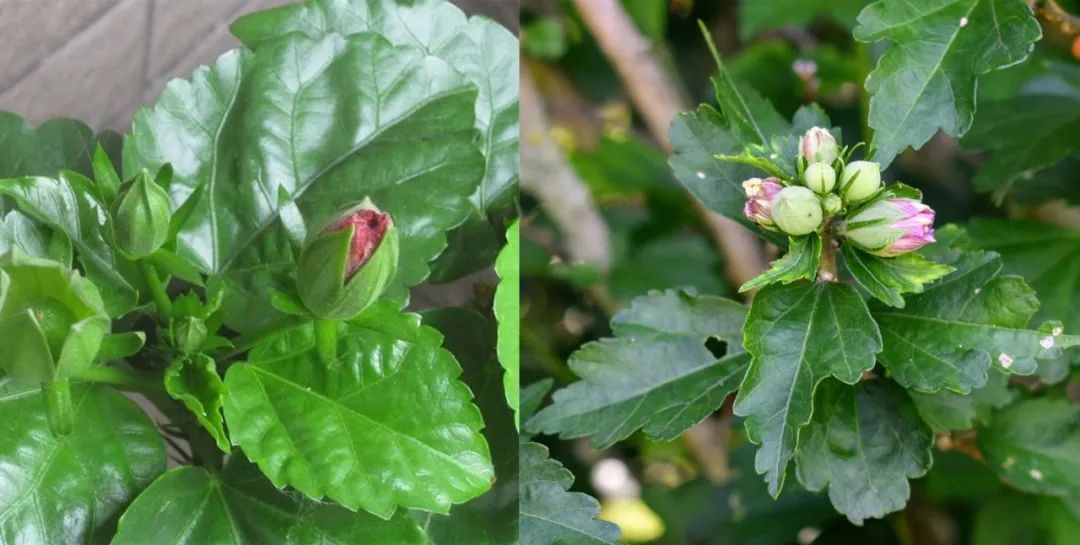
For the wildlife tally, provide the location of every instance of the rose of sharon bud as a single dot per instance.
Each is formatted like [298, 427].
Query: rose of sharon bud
[797, 211]
[820, 178]
[759, 197]
[818, 146]
[832, 203]
[141, 217]
[860, 181]
[891, 227]
[349, 263]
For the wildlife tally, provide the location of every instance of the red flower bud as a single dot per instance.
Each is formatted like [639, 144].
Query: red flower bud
[369, 227]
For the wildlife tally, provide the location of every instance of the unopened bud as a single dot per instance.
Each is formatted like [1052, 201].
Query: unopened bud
[797, 211]
[759, 198]
[860, 181]
[832, 203]
[820, 178]
[818, 146]
[141, 217]
[891, 227]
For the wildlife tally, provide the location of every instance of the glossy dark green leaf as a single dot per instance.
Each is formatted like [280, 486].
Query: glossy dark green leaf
[482, 50]
[68, 205]
[864, 443]
[1034, 445]
[889, 278]
[490, 519]
[945, 410]
[798, 334]
[508, 313]
[190, 506]
[1022, 136]
[799, 263]
[926, 81]
[389, 425]
[70, 489]
[550, 514]
[194, 381]
[949, 336]
[623, 386]
[328, 122]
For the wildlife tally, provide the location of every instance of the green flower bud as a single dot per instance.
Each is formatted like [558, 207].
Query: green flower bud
[817, 145]
[141, 217]
[188, 335]
[52, 322]
[860, 181]
[797, 211]
[348, 264]
[832, 203]
[820, 178]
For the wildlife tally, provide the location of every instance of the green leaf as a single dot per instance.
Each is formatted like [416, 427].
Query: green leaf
[17, 230]
[1034, 445]
[623, 388]
[948, 336]
[798, 335]
[550, 514]
[1012, 519]
[926, 81]
[532, 396]
[194, 381]
[864, 442]
[54, 145]
[757, 16]
[946, 411]
[1022, 136]
[490, 519]
[508, 313]
[68, 205]
[482, 50]
[70, 489]
[799, 263]
[389, 123]
[888, 278]
[388, 425]
[190, 506]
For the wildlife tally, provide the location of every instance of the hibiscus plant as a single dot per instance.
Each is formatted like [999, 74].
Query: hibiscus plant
[240, 264]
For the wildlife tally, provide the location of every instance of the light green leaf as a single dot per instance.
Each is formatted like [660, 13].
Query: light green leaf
[390, 425]
[328, 122]
[482, 50]
[949, 336]
[68, 205]
[799, 263]
[190, 506]
[1034, 445]
[70, 489]
[864, 442]
[17, 230]
[888, 278]
[623, 387]
[550, 514]
[798, 334]
[508, 313]
[194, 381]
[926, 81]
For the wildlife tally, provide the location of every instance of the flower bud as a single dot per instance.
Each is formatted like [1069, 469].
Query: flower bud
[860, 181]
[141, 217]
[818, 146]
[759, 197]
[891, 227]
[349, 263]
[820, 178]
[832, 203]
[797, 211]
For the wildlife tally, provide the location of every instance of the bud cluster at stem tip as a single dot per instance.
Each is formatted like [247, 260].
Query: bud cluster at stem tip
[828, 187]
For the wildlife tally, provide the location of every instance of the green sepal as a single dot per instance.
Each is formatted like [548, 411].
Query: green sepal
[800, 262]
[57, 394]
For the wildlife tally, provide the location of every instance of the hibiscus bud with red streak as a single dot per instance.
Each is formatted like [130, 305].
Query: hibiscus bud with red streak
[891, 227]
[759, 197]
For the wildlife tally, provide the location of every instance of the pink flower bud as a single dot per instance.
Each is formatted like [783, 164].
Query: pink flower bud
[892, 227]
[759, 198]
[369, 228]
[818, 146]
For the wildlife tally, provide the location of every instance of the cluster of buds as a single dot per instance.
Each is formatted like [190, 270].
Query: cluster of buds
[830, 190]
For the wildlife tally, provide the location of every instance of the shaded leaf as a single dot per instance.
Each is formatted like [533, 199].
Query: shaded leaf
[54, 145]
[508, 313]
[864, 443]
[17, 230]
[799, 263]
[798, 334]
[623, 388]
[550, 514]
[70, 489]
[945, 410]
[389, 424]
[194, 381]
[889, 278]
[1034, 445]
[190, 506]
[757, 16]
[926, 81]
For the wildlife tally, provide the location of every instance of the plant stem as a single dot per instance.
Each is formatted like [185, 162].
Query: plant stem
[827, 268]
[157, 289]
[127, 379]
[326, 333]
[243, 343]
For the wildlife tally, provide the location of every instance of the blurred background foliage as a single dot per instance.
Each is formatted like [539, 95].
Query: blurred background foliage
[617, 225]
